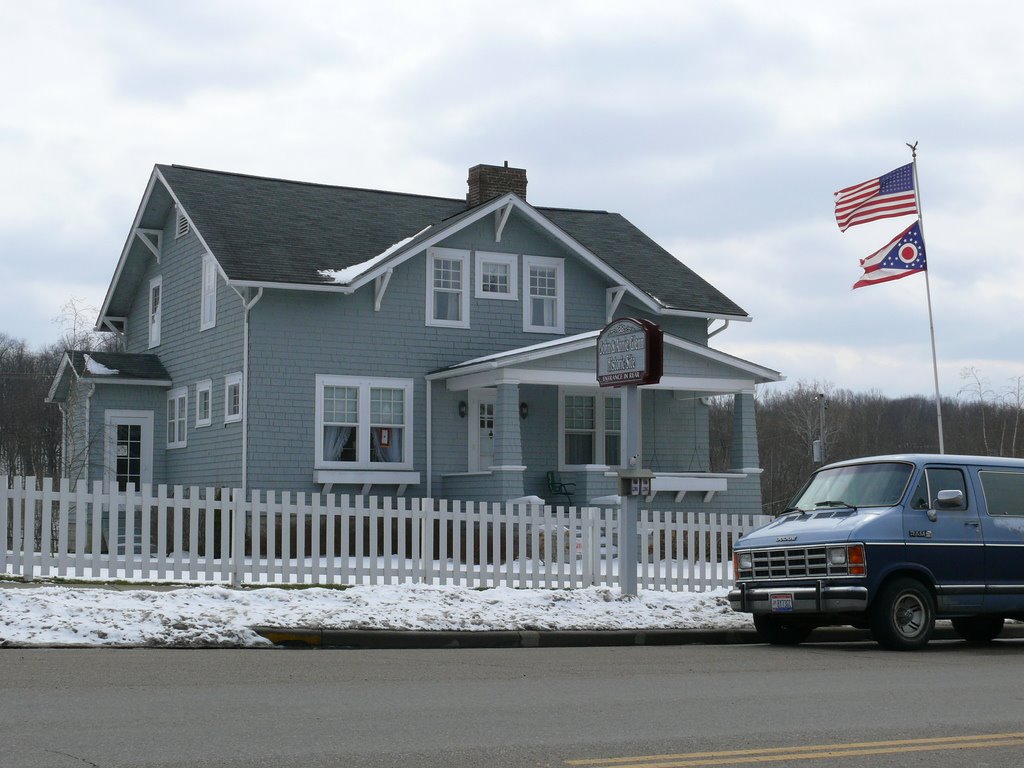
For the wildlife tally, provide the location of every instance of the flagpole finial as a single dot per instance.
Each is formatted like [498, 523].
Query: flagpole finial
[913, 150]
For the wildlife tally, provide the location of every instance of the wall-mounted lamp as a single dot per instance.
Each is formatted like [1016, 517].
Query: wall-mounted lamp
[524, 410]
[463, 409]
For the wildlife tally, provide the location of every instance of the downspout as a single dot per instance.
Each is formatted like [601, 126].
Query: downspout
[64, 449]
[725, 324]
[88, 436]
[428, 431]
[247, 306]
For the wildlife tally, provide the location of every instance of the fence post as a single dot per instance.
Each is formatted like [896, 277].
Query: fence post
[20, 530]
[28, 528]
[237, 536]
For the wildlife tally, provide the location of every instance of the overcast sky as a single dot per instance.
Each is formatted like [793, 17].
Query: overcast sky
[719, 128]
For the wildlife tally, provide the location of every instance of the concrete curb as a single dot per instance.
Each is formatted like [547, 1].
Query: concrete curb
[409, 639]
[381, 639]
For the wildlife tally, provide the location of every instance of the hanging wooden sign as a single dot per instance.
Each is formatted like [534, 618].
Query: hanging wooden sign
[630, 351]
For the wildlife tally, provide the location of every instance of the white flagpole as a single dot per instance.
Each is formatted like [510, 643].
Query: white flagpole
[928, 292]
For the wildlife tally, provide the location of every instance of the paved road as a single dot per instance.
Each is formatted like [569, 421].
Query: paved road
[520, 707]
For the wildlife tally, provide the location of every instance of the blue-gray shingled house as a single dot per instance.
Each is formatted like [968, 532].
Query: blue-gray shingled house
[305, 337]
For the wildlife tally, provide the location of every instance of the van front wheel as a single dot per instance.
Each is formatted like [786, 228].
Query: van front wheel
[903, 616]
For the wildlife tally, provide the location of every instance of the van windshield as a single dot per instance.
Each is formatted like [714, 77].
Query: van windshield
[859, 485]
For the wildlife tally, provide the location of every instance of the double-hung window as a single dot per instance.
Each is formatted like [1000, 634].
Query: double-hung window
[363, 423]
[155, 309]
[543, 294]
[177, 414]
[448, 287]
[208, 294]
[496, 276]
[232, 397]
[591, 429]
[204, 403]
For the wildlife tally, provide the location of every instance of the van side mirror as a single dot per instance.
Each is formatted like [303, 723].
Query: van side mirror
[950, 500]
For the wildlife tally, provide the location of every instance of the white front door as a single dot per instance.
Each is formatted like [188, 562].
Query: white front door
[481, 429]
[129, 448]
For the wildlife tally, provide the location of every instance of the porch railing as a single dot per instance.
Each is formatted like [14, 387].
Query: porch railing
[219, 535]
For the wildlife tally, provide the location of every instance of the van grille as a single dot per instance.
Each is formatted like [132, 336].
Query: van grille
[791, 563]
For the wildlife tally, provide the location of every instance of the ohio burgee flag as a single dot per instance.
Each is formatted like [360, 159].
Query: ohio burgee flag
[902, 256]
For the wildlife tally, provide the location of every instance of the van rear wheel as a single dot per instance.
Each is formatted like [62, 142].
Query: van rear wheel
[978, 629]
[779, 631]
[903, 616]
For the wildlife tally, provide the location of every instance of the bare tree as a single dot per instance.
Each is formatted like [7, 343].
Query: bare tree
[980, 391]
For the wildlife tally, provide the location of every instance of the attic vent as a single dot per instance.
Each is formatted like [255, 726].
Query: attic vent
[181, 228]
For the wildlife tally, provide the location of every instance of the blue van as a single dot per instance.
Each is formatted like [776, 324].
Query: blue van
[890, 543]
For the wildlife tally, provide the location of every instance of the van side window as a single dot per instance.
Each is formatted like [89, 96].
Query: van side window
[937, 479]
[1004, 492]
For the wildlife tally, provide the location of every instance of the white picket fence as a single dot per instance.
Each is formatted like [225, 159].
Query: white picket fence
[209, 535]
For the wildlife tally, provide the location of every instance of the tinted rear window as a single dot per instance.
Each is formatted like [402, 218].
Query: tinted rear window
[1004, 492]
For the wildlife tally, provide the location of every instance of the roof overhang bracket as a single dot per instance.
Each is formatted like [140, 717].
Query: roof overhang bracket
[115, 324]
[152, 239]
[380, 287]
[500, 220]
[612, 297]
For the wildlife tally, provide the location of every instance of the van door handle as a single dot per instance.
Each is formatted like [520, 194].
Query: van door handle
[972, 523]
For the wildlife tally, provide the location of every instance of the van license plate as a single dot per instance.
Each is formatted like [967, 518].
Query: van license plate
[782, 602]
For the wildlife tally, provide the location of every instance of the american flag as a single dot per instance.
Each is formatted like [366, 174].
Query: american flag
[902, 256]
[889, 195]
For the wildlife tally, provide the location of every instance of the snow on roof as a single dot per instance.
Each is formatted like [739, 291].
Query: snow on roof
[98, 369]
[348, 274]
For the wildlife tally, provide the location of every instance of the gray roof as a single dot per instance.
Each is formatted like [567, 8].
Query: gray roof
[128, 366]
[278, 231]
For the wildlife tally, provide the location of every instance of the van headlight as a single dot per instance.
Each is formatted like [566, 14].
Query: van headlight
[837, 555]
[744, 561]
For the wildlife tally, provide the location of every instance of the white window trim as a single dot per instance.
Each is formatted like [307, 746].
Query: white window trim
[508, 259]
[208, 293]
[111, 419]
[204, 386]
[155, 323]
[229, 380]
[364, 385]
[180, 415]
[456, 255]
[600, 396]
[559, 265]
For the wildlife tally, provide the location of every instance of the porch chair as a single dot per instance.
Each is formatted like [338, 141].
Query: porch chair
[559, 488]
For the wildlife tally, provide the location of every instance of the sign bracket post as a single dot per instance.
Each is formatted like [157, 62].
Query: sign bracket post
[630, 354]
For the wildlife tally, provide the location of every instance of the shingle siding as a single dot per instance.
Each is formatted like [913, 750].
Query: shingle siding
[253, 227]
[343, 335]
[213, 454]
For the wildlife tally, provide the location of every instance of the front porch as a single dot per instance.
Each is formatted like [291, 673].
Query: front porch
[497, 426]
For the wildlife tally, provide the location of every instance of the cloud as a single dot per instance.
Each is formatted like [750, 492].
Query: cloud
[720, 128]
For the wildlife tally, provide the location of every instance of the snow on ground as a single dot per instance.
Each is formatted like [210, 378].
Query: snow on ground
[218, 616]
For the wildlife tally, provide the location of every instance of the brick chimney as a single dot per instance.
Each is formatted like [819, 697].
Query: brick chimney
[489, 181]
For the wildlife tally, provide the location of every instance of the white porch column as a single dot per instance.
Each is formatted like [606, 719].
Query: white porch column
[508, 445]
[743, 456]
